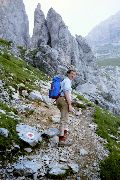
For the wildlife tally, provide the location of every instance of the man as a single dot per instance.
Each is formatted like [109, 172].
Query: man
[65, 106]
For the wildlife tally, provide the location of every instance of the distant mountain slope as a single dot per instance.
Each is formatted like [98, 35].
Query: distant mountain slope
[105, 38]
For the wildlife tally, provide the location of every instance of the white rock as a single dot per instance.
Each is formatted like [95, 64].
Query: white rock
[4, 132]
[74, 167]
[25, 167]
[46, 99]
[15, 96]
[28, 150]
[28, 134]
[93, 126]
[78, 113]
[56, 119]
[83, 152]
[24, 93]
[57, 171]
[3, 112]
[51, 132]
[24, 107]
[35, 95]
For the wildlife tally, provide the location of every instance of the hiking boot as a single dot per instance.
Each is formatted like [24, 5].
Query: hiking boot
[65, 143]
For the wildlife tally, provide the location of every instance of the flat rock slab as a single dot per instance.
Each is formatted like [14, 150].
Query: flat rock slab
[26, 167]
[4, 132]
[51, 132]
[28, 134]
[83, 152]
[56, 119]
[56, 171]
[74, 167]
[35, 95]
[3, 112]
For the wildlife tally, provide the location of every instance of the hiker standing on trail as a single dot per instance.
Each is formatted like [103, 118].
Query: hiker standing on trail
[63, 103]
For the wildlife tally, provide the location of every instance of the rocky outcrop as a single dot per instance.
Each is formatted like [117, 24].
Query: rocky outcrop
[40, 31]
[105, 91]
[105, 38]
[14, 22]
[61, 49]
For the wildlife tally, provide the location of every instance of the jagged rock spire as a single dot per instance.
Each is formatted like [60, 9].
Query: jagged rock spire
[40, 31]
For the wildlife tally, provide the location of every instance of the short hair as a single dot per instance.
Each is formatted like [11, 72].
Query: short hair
[70, 70]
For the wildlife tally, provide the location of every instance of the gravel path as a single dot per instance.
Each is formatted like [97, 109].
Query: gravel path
[87, 148]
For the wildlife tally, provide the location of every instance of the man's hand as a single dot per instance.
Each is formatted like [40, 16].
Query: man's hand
[71, 109]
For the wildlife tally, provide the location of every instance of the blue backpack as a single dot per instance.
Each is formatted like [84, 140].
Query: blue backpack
[54, 92]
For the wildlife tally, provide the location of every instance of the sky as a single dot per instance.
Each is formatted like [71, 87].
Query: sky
[79, 15]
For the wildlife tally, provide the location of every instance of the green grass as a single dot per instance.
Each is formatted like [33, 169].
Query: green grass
[5, 43]
[108, 125]
[108, 62]
[85, 101]
[10, 124]
[16, 71]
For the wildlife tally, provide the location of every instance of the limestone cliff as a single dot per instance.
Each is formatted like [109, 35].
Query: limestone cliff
[14, 22]
[40, 31]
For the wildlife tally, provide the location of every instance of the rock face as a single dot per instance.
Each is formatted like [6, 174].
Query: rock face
[14, 22]
[40, 31]
[105, 38]
[57, 48]
[106, 90]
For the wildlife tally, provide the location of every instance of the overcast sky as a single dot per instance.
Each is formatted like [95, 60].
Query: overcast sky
[79, 15]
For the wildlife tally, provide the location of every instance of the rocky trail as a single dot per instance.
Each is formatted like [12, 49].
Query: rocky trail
[82, 156]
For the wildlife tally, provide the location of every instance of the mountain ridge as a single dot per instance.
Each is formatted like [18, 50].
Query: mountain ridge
[105, 37]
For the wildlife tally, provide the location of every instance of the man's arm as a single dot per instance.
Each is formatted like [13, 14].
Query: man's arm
[67, 96]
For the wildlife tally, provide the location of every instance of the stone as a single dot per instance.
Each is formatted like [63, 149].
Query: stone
[78, 113]
[15, 96]
[35, 95]
[54, 141]
[74, 167]
[4, 132]
[51, 132]
[3, 112]
[28, 150]
[83, 152]
[46, 159]
[25, 93]
[25, 107]
[28, 134]
[93, 126]
[56, 119]
[26, 167]
[57, 171]
[46, 100]
[63, 166]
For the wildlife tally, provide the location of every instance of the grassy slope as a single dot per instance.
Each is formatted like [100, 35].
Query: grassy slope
[108, 62]
[14, 72]
[108, 125]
